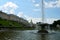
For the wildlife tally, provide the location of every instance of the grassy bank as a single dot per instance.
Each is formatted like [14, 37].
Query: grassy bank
[13, 25]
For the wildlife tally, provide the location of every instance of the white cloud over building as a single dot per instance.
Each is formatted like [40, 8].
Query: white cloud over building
[10, 4]
[8, 7]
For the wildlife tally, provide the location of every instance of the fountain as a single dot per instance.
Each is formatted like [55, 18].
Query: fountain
[43, 30]
[43, 24]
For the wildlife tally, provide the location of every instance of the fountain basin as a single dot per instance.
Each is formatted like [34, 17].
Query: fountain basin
[43, 31]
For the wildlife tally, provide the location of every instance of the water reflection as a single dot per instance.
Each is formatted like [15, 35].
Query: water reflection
[44, 37]
[27, 35]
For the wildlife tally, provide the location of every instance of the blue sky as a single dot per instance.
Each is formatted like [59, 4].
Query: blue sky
[31, 9]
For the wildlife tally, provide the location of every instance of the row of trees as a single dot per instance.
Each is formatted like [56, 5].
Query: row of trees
[55, 25]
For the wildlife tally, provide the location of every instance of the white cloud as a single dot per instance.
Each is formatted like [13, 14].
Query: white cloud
[52, 4]
[33, 1]
[58, 3]
[10, 4]
[20, 14]
[50, 20]
[48, 5]
[9, 7]
[11, 11]
[35, 20]
[36, 5]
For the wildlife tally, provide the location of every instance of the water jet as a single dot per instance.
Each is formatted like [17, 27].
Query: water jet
[43, 24]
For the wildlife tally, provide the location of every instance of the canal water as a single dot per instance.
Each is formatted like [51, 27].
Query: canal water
[28, 35]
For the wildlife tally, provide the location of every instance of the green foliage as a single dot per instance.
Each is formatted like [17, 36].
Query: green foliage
[9, 23]
[13, 25]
